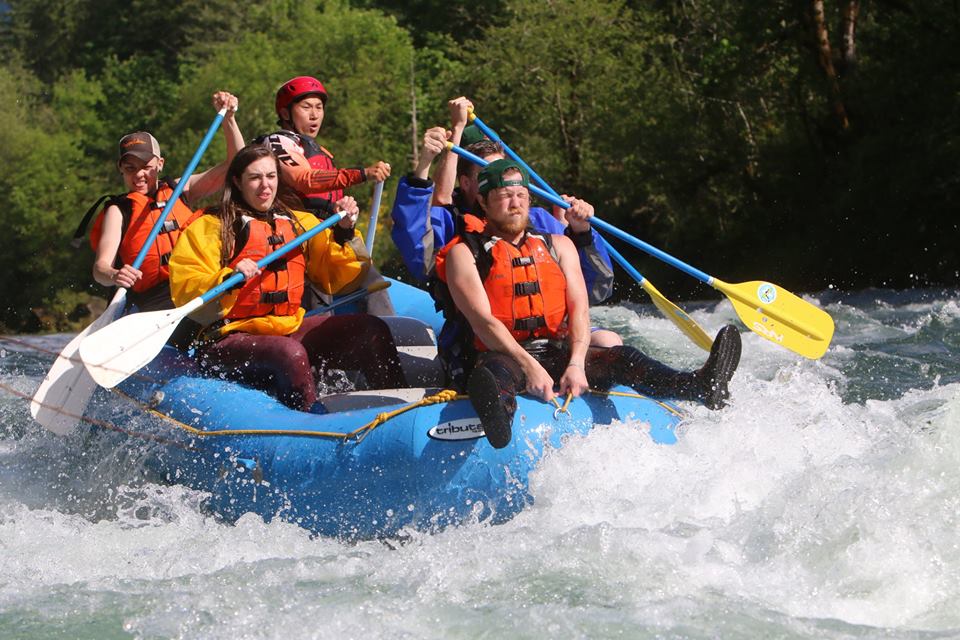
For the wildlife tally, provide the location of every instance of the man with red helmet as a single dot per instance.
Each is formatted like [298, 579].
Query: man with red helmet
[308, 168]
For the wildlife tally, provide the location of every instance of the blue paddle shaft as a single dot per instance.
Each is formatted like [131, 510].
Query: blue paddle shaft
[653, 251]
[556, 199]
[490, 133]
[474, 158]
[179, 188]
[350, 297]
[374, 214]
[623, 262]
[237, 277]
[609, 228]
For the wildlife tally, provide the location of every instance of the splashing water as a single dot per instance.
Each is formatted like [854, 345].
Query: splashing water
[824, 502]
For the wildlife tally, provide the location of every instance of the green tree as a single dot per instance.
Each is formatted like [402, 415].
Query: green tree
[45, 178]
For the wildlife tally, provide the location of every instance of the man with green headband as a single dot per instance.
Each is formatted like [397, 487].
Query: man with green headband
[524, 299]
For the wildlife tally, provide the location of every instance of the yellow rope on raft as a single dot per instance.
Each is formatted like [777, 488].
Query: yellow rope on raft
[447, 395]
[626, 394]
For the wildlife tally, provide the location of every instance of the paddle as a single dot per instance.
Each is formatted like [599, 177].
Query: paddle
[374, 214]
[59, 402]
[117, 351]
[490, 133]
[350, 297]
[671, 311]
[767, 309]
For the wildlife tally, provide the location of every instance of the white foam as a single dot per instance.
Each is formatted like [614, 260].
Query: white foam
[792, 513]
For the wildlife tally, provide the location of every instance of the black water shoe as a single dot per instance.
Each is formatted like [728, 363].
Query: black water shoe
[494, 408]
[712, 378]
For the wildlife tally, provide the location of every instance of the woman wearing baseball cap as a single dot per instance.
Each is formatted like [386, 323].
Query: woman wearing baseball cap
[123, 225]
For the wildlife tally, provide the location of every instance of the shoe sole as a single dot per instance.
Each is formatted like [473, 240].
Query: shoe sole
[728, 348]
[497, 423]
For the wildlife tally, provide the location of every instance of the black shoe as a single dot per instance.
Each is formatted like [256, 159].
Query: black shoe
[712, 378]
[494, 408]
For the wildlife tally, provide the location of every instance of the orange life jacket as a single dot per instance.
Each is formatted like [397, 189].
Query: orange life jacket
[524, 283]
[140, 212]
[279, 288]
[470, 224]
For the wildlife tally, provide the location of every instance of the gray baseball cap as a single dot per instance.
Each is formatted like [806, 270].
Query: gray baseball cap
[139, 144]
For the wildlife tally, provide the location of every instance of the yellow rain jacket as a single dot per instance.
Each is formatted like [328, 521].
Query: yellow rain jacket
[195, 269]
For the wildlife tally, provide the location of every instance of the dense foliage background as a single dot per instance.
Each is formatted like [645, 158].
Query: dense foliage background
[814, 143]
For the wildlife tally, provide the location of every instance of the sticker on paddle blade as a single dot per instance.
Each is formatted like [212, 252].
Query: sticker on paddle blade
[766, 293]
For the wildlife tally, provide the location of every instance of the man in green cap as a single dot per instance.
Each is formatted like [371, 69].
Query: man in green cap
[524, 298]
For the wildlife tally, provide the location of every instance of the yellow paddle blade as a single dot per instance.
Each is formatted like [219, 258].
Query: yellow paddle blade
[780, 316]
[678, 316]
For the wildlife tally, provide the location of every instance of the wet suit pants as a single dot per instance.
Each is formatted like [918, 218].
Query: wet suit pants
[282, 365]
[605, 367]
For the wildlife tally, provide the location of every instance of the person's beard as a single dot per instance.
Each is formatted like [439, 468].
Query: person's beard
[511, 225]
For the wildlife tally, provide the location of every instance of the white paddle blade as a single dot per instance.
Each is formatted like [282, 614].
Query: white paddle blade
[63, 395]
[116, 352]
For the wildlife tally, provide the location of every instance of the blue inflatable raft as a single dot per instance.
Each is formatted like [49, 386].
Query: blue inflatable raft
[366, 463]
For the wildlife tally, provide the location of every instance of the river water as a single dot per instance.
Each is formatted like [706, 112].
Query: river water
[824, 502]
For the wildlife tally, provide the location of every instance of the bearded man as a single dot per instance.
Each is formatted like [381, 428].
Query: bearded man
[524, 298]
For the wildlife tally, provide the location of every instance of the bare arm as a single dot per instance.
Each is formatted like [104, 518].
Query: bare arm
[574, 379]
[201, 185]
[103, 270]
[445, 177]
[434, 141]
[471, 299]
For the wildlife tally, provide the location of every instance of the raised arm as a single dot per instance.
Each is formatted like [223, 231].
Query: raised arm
[296, 172]
[201, 185]
[594, 259]
[445, 177]
[419, 230]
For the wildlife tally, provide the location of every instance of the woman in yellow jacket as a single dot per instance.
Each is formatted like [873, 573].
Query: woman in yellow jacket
[258, 334]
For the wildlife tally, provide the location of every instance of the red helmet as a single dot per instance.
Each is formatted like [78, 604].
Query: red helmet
[297, 88]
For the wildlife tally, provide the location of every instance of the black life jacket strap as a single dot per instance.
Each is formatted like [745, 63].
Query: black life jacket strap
[529, 324]
[526, 288]
[81, 231]
[280, 264]
[273, 297]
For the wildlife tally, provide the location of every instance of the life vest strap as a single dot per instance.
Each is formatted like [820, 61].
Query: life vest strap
[280, 264]
[170, 224]
[273, 297]
[165, 258]
[275, 239]
[523, 261]
[526, 288]
[529, 324]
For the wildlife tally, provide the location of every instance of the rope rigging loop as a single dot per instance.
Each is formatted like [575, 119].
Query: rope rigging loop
[562, 409]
